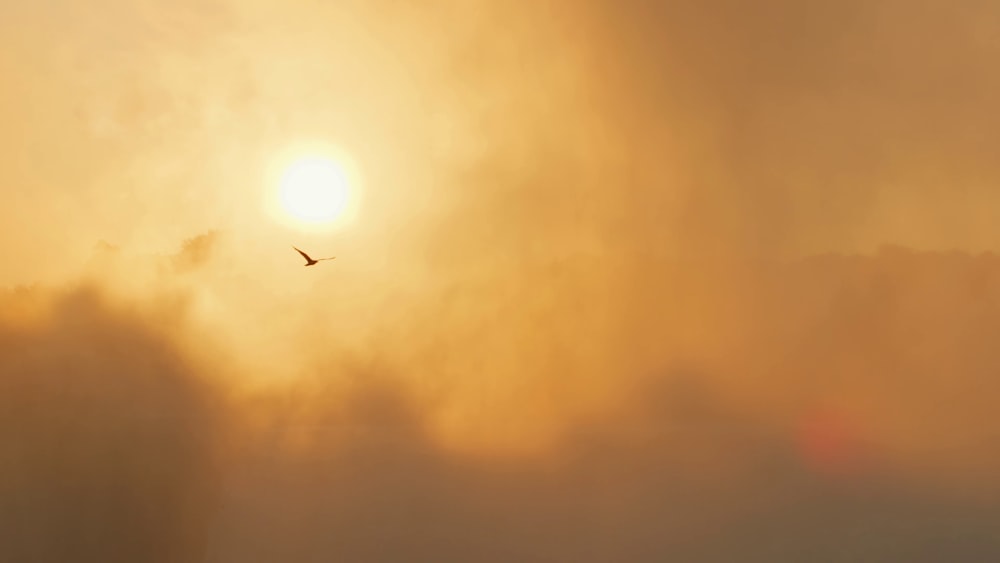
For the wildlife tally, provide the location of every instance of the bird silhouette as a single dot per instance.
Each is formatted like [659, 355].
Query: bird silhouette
[310, 261]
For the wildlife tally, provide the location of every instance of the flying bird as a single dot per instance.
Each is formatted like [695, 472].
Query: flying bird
[310, 261]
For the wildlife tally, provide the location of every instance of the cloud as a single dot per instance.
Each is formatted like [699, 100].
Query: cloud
[830, 408]
[195, 252]
[667, 477]
[109, 437]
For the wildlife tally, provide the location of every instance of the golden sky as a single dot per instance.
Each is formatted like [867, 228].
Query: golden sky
[693, 280]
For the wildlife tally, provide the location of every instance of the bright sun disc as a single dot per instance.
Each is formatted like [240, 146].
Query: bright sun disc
[314, 190]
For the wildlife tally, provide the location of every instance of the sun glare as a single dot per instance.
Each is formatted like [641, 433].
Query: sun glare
[316, 190]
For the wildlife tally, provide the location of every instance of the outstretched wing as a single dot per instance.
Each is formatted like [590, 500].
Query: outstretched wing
[330, 258]
[304, 255]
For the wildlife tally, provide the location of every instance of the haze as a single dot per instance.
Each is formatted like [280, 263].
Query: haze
[626, 281]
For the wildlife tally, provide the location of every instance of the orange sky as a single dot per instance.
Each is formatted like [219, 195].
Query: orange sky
[628, 281]
[782, 128]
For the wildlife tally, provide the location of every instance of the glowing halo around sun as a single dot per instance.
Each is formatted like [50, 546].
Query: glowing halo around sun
[315, 189]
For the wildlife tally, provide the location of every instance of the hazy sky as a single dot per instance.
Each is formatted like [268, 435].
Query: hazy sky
[628, 281]
[775, 127]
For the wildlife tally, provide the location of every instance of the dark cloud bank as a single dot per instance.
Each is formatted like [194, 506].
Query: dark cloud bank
[866, 436]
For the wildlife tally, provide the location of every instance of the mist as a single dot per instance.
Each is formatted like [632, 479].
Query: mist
[834, 407]
[632, 281]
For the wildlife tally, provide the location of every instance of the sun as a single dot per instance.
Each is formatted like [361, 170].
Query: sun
[314, 189]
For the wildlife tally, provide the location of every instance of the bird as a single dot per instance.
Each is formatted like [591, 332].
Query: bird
[309, 260]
